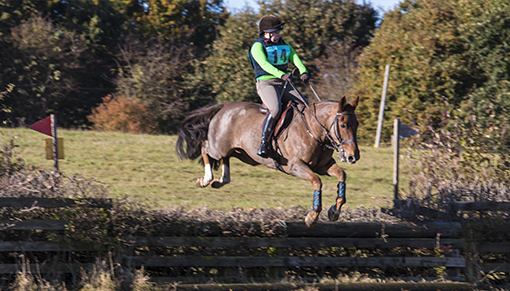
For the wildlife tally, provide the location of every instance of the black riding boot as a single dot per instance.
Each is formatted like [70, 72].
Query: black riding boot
[265, 145]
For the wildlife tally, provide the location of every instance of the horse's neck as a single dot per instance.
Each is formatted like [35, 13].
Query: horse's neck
[324, 112]
[321, 115]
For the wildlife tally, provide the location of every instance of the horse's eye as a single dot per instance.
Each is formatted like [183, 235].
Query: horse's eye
[343, 125]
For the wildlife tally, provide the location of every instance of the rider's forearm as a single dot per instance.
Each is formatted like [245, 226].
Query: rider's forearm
[294, 58]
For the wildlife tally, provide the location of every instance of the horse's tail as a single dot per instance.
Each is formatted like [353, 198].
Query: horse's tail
[193, 132]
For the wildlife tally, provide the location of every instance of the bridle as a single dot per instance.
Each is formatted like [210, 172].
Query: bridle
[337, 146]
[337, 131]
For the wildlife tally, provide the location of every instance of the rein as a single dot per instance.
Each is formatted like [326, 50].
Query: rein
[303, 100]
[334, 146]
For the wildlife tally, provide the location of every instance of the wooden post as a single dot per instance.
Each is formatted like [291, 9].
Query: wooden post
[381, 108]
[453, 272]
[471, 255]
[396, 145]
[54, 137]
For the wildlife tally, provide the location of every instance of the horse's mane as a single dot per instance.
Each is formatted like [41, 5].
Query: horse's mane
[347, 106]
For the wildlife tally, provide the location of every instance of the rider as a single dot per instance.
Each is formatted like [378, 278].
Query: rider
[269, 55]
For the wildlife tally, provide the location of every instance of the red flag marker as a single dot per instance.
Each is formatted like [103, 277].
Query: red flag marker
[43, 126]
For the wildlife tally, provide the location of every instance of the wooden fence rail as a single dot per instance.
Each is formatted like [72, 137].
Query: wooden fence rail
[480, 206]
[379, 262]
[144, 251]
[295, 242]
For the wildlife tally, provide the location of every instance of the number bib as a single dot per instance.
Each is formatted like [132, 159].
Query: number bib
[278, 54]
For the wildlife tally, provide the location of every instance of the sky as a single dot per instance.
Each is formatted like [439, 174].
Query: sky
[380, 5]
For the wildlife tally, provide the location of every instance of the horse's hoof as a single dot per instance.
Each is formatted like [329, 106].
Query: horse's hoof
[311, 218]
[201, 183]
[333, 215]
[218, 183]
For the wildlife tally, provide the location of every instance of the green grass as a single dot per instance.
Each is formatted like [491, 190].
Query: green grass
[146, 167]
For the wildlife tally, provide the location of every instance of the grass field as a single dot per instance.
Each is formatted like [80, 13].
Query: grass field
[146, 167]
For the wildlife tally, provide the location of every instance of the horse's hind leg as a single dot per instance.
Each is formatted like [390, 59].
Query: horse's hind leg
[225, 174]
[334, 210]
[208, 175]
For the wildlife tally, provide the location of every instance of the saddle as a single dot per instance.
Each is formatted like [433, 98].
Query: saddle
[283, 121]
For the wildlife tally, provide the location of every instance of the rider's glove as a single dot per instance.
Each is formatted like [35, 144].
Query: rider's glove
[305, 78]
[286, 78]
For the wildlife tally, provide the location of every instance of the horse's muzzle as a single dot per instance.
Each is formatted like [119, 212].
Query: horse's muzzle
[352, 159]
[349, 158]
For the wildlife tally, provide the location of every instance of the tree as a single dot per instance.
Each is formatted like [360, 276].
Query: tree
[313, 28]
[327, 35]
[194, 21]
[14, 12]
[94, 27]
[42, 61]
[336, 72]
[153, 74]
[227, 70]
[484, 30]
[72, 82]
[118, 113]
[441, 52]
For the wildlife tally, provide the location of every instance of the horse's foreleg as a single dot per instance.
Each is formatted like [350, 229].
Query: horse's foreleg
[334, 210]
[312, 216]
[225, 174]
[208, 175]
[301, 170]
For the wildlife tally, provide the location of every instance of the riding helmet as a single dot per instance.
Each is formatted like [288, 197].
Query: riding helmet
[270, 23]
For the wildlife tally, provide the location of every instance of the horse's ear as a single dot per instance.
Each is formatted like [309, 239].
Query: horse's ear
[341, 106]
[354, 103]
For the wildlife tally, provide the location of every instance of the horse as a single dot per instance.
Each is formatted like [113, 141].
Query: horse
[303, 149]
